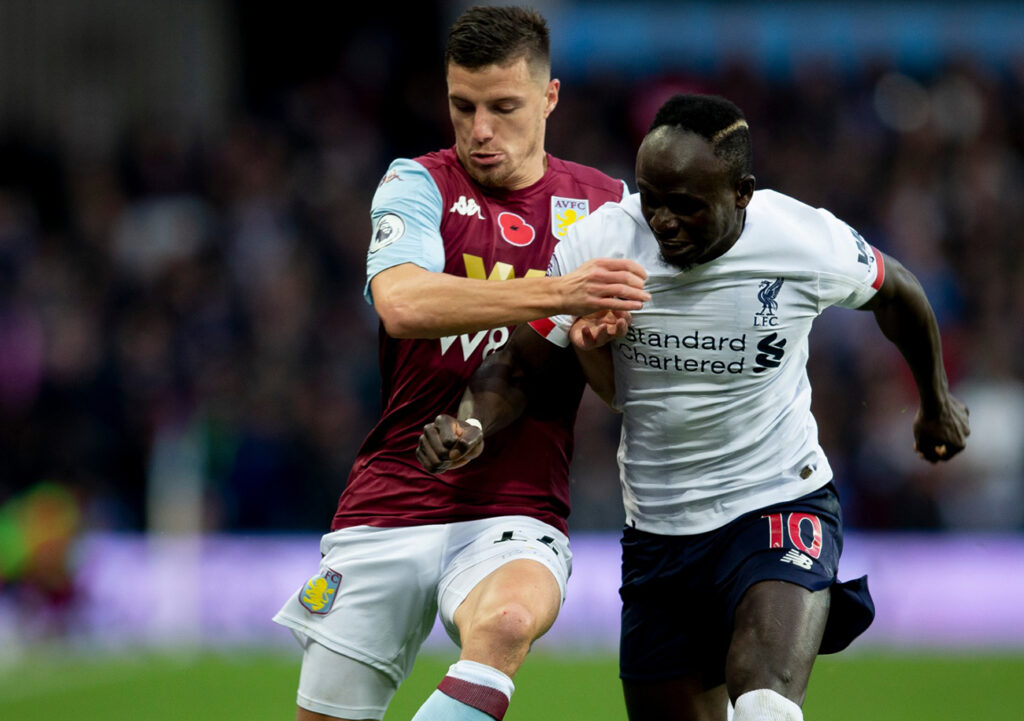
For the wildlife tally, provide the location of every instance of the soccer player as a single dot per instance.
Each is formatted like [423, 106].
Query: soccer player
[733, 527]
[485, 547]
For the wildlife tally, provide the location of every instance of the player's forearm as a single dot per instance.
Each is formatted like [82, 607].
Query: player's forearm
[416, 303]
[432, 305]
[502, 387]
[599, 370]
[496, 395]
[907, 319]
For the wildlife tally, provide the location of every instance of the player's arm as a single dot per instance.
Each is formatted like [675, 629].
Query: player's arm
[590, 336]
[906, 318]
[414, 298]
[498, 393]
[413, 302]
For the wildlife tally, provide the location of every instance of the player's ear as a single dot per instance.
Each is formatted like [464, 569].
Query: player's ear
[551, 96]
[745, 190]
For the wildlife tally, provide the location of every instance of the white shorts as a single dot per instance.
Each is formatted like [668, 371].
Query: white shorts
[379, 589]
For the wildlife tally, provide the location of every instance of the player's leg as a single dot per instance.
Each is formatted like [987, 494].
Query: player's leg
[506, 612]
[679, 699]
[333, 686]
[673, 642]
[362, 619]
[504, 591]
[779, 567]
[777, 631]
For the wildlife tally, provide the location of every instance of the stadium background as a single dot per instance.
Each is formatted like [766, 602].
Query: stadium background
[187, 366]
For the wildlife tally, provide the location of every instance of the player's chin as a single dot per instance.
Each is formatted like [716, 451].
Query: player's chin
[489, 176]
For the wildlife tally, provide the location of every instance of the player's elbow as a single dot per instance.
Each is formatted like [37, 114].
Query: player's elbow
[400, 320]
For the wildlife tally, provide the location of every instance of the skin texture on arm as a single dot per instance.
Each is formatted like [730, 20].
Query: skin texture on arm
[497, 395]
[590, 336]
[906, 318]
[416, 303]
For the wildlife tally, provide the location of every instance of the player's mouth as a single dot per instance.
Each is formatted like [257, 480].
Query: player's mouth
[675, 245]
[678, 250]
[486, 159]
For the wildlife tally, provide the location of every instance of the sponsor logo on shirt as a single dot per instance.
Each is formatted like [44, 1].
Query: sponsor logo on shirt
[698, 351]
[515, 230]
[387, 230]
[565, 212]
[771, 348]
[488, 340]
[466, 206]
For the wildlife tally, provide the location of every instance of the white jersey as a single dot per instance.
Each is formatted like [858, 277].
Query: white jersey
[711, 377]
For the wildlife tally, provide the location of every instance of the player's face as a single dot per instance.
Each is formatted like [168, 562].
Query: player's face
[688, 197]
[499, 114]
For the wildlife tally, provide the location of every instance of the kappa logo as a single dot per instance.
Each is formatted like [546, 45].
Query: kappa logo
[388, 177]
[767, 294]
[318, 595]
[565, 212]
[466, 206]
[797, 559]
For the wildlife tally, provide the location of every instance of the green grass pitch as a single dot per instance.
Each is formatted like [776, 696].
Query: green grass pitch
[255, 686]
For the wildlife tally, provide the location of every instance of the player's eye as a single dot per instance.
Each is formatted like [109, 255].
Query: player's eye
[685, 206]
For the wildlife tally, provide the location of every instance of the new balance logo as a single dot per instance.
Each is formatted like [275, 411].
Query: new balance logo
[797, 559]
[466, 206]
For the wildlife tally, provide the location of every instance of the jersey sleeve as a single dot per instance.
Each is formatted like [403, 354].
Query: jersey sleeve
[406, 217]
[853, 269]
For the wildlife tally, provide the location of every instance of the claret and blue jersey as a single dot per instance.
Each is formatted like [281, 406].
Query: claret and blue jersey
[429, 212]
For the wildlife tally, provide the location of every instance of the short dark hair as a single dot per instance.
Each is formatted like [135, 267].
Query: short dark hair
[485, 36]
[717, 120]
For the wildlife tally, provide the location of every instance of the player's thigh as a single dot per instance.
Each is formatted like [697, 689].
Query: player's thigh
[777, 631]
[334, 686]
[510, 560]
[523, 587]
[677, 699]
[374, 599]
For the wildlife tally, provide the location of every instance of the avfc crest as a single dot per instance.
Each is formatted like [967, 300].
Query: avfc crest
[318, 595]
[565, 212]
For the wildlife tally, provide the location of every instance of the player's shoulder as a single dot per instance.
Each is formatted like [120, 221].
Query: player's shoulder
[768, 201]
[785, 207]
[587, 176]
[438, 160]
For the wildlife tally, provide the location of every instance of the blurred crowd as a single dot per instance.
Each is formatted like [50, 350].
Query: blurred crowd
[184, 344]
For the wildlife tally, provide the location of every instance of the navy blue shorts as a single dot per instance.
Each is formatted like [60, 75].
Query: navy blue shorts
[679, 593]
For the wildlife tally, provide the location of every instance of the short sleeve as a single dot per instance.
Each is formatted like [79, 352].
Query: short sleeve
[853, 270]
[406, 216]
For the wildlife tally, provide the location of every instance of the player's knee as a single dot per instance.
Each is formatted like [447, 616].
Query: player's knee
[509, 625]
[747, 668]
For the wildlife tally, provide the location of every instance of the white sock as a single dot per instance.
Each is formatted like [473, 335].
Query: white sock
[766, 705]
[470, 692]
